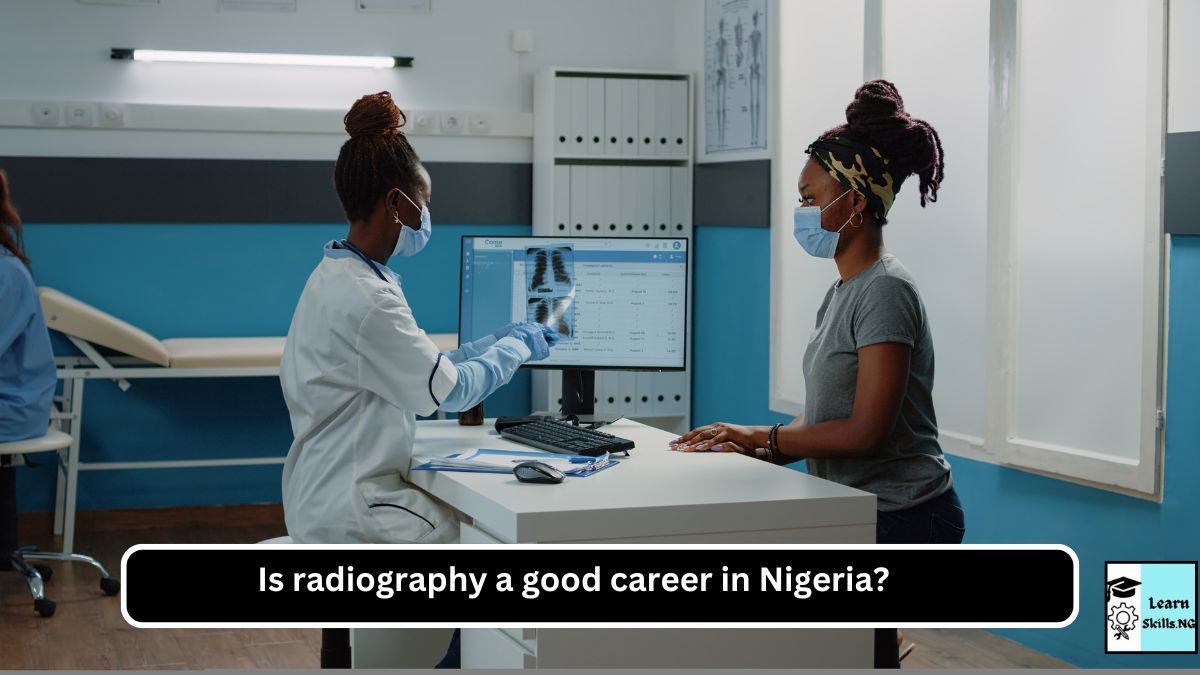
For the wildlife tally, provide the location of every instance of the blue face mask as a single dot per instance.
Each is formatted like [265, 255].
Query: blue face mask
[411, 242]
[819, 242]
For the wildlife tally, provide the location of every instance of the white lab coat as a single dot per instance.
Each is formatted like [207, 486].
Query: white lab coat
[356, 371]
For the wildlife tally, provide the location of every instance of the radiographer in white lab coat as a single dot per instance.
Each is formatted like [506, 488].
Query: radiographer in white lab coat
[357, 370]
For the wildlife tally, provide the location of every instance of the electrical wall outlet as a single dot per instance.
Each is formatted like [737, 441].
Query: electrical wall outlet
[112, 115]
[46, 114]
[453, 123]
[79, 114]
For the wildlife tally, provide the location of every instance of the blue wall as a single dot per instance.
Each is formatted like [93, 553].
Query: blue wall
[1002, 505]
[209, 281]
[731, 337]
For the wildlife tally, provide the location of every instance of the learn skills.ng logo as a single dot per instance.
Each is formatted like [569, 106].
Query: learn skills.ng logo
[1150, 607]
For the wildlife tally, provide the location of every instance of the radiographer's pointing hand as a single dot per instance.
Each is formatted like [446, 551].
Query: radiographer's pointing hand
[505, 331]
[537, 337]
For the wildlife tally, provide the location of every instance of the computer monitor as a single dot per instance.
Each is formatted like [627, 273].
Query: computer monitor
[616, 303]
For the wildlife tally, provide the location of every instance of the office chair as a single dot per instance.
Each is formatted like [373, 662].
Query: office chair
[14, 556]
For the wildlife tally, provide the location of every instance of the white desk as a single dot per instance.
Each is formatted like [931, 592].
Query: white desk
[655, 496]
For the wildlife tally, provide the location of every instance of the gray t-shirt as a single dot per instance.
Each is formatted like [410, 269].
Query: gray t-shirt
[880, 304]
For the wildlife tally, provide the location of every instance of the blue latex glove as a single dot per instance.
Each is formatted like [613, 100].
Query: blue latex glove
[552, 336]
[505, 331]
[534, 337]
[483, 374]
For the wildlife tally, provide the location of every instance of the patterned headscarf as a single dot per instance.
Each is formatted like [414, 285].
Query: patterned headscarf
[860, 168]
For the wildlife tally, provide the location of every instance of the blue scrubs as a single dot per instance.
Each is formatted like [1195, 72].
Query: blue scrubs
[26, 362]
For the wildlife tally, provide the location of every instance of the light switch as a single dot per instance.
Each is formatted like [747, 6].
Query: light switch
[522, 41]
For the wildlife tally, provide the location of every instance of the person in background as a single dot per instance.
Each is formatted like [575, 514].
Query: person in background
[27, 377]
[868, 418]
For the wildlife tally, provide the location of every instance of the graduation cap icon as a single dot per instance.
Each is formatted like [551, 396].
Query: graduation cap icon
[1122, 587]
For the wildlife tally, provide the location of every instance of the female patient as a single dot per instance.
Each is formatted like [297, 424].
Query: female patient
[26, 361]
[868, 418]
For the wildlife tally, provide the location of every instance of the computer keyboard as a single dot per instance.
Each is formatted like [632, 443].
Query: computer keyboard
[566, 438]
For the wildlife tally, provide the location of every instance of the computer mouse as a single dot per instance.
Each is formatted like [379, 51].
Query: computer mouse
[537, 472]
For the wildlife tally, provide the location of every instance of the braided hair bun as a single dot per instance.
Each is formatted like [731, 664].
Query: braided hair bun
[876, 117]
[376, 158]
[374, 115]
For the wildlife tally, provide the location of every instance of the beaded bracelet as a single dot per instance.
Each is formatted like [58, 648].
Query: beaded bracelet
[773, 443]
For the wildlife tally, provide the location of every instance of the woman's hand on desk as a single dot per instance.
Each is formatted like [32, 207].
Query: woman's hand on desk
[718, 437]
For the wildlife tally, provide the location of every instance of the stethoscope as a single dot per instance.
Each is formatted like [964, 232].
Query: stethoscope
[363, 256]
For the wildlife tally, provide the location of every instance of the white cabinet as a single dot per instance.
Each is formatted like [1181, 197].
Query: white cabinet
[613, 158]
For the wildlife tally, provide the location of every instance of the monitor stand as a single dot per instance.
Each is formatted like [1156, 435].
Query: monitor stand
[579, 400]
[578, 392]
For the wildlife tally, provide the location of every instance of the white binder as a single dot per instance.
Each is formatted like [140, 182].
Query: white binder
[562, 200]
[595, 115]
[658, 396]
[562, 115]
[603, 392]
[612, 201]
[645, 183]
[629, 117]
[662, 200]
[681, 190]
[597, 202]
[664, 112]
[645, 394]
[579, 199]
[680, 139]
[614, 91]
[675, 402]
[629, 223]
[579, 114]
[627, 393]
[553, 391]
[647, 120]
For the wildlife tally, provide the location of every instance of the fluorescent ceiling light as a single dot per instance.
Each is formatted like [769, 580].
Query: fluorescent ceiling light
[256, 58]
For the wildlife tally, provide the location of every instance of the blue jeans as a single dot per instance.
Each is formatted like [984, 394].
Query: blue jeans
[937, 521]
[453, 657]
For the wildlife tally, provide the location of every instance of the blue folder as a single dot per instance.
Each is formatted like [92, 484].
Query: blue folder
[530, 455]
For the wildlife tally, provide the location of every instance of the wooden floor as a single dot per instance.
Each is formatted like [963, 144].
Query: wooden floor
[88, 632]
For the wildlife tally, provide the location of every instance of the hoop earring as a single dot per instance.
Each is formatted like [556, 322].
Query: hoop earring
[860, 219]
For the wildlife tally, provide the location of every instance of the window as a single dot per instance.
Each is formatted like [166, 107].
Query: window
[1040, 265]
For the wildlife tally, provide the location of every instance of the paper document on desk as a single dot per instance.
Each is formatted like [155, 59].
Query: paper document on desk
[484, 460]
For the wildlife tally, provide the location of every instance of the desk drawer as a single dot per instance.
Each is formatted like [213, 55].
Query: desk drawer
[491, 648]
[469, 534]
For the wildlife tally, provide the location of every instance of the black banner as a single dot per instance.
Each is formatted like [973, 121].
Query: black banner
[542, 585]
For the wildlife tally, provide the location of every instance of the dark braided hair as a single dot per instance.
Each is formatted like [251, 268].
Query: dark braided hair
[10, 223]
[876, 117]
[376, 158]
